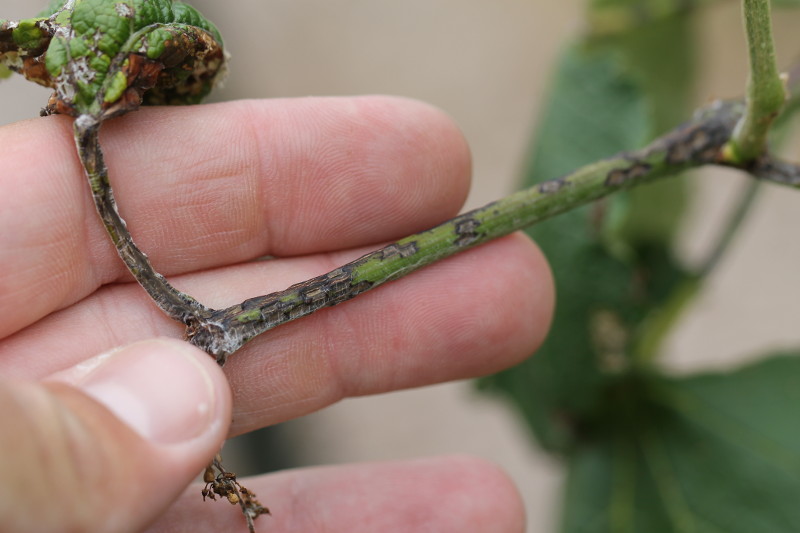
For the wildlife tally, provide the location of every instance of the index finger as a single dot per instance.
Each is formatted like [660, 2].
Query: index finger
[213, 185]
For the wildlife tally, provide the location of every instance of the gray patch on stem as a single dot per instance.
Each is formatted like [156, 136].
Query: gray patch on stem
[466, 230]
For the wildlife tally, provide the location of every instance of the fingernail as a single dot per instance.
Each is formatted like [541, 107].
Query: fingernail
[157, 387]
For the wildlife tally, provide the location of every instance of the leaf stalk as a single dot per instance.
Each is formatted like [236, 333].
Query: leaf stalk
[765, 93]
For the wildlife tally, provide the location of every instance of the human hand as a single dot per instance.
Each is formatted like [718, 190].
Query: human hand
[111, 443]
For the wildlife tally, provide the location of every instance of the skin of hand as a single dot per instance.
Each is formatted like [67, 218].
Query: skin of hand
[110, 443]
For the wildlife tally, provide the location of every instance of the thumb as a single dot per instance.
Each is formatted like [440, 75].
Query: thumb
[107, 445]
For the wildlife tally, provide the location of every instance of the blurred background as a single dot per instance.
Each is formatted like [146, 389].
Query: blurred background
[487, 64]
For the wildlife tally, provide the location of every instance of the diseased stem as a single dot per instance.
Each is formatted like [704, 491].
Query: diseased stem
[222, 332]
[708, 139]
[698, 143]
[705, 140]
[766, 94]
[175, 304]
[776, 171]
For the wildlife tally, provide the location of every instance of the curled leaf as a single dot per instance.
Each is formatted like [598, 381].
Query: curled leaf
[104, 58]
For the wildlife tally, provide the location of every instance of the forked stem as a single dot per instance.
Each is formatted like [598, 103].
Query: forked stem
[766, 94]
[698, 143]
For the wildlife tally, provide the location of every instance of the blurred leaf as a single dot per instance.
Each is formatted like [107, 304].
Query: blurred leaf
[594, 110]
[612, 17]
[52, 7]
[612, 261]
[647, 453]
[710, 453]
[786, 122]
[4, 72]
[659, 56]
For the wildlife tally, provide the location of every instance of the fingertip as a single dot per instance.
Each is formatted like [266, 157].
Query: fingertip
[459, 493]
[394, 165]
[432, 141]
[488, 493]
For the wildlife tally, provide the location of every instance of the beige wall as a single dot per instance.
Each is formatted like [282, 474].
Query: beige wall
[486, 63]
[482, 62]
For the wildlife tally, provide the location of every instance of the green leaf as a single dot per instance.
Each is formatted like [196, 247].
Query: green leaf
[610, 17]
[4, 72]
[95, 53]
[660, 57]
[593, 111]
[619, 287]
[711, 453]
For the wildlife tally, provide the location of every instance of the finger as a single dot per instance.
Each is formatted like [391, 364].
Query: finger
[455, 494]
[470, 315]
[214, 185]
[107, 446]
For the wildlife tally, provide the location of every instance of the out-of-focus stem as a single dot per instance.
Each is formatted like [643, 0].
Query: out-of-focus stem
[698, 143]
[766, 94]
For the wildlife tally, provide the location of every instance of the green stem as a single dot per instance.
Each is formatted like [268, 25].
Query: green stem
[695, 144]
[766, 94]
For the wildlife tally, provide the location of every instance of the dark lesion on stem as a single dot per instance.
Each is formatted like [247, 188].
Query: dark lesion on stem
[700, 142]
[467, 231]
[775, 170]
[401, 250]
[224, 331]
[697, 143]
